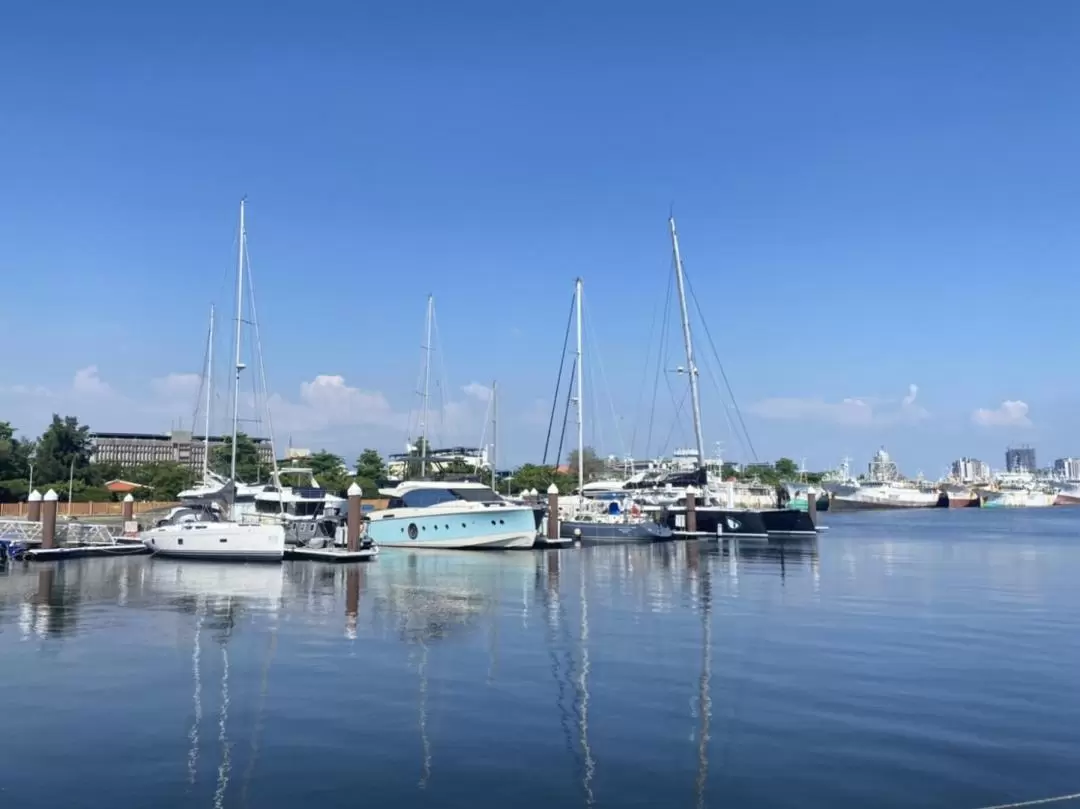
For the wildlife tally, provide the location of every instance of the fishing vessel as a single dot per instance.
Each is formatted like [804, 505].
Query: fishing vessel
[1017, 498]
[452, 515]
[959, 496]
[882, 494]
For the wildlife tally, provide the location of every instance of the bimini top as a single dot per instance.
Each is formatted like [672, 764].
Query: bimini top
[424, 493]
[413, 485]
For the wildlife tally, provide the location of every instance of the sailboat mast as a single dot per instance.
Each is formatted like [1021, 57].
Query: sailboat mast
[691, 369]
[209, 395]
[494, 436]
[580, 397]
[239, 323]
[427, 383]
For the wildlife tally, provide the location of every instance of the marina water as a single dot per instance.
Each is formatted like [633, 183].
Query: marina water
[920, 659]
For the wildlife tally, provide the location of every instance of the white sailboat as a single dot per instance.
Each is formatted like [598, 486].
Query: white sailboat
[200, 531]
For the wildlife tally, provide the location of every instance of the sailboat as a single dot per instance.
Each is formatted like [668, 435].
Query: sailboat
[198, 529]
[712, 517]
[588, 523]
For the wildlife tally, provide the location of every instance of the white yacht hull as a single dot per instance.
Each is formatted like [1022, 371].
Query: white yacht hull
[221, 541]
[454, 526]
[506, 541]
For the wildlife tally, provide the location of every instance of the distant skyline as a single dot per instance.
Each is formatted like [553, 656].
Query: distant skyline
[878, 204]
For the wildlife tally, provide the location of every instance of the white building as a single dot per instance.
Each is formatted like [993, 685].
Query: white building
[1068, 468]
[970, 470]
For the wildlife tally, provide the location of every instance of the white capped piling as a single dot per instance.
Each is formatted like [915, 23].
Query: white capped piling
[48, 519]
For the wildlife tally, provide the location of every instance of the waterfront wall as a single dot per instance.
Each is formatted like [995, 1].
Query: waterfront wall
[16, 510]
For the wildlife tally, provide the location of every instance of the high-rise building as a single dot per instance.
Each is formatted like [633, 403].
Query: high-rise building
[970, 470]
[1068, 468]
[1020, 459]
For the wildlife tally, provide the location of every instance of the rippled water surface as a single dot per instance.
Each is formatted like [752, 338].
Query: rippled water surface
[928, 659]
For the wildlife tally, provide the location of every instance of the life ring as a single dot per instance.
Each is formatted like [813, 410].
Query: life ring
[413, 532]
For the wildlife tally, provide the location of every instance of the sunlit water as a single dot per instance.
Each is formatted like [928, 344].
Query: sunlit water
[929, 659]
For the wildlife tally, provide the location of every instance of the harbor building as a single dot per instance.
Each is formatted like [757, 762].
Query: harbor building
[970, 470]
[1020, 459]
[1068, 468]
[176, 446]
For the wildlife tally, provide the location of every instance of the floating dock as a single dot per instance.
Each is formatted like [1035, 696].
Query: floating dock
[336, 555]
[82, 552]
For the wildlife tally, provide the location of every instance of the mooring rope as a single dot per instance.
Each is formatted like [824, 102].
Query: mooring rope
[1038, 802]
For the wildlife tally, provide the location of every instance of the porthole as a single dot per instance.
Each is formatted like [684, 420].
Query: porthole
[413, 533]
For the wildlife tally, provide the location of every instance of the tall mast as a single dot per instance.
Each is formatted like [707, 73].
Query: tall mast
[209, 396]
[691, 369]
[580, 397]
[239, 322]
[494, 435]
[427, 382]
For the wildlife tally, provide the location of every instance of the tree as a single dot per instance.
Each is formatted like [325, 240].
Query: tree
[15, 454]
[63, 444]
[326, 464]
[249, 467]
[786, 469]
[370, 466]
[593, 466]
[532, 476]
[162, 480]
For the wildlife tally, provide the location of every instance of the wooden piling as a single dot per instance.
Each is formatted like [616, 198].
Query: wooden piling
[33, 506]
[352, 601]
[811, 505]
[553, 512]
[48, 519]
[127, 508]
[691, 510]
[355, 517]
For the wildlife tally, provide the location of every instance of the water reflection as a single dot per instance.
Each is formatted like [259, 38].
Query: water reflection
[595, 668]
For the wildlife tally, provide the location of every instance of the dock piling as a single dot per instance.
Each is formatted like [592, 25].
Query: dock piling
[33, 506]
[48, 519]
[128, 507]
[553, 512]
[356, 516]
[691, 510]
[811, 505]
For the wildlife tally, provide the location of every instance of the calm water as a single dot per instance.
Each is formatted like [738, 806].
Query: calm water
[903, 660]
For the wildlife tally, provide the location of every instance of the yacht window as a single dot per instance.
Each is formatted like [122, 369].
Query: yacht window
[480, 494]
[422, 498]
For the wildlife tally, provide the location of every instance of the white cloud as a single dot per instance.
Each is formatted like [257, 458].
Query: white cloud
[1010, 413]
[325, 410]
[88, 383]
[477, 391]
[855, 411]
[177, 386]
[327, 401]
[30, 390]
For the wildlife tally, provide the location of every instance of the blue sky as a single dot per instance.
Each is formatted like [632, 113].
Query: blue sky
[870, 196]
